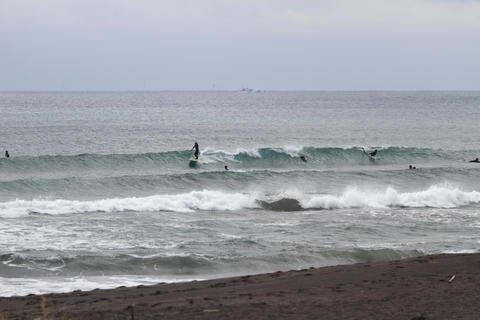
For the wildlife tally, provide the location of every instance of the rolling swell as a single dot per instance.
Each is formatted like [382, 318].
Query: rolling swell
[267, 180]
[263, 158]
[91, 162]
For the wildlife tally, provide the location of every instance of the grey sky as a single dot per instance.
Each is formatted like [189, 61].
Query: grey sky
[229, 44]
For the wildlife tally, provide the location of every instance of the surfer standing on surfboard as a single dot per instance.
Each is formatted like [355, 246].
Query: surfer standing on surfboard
[197, 151]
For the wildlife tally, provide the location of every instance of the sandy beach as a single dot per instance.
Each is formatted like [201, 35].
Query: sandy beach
[431, 287]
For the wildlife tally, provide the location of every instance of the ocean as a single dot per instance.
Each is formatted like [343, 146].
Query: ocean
[98, 193]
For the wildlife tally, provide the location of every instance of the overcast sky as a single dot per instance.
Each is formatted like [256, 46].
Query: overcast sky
[230, 44]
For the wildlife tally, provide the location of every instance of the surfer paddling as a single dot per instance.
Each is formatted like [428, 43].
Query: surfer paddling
[475, 160]
[197, 151]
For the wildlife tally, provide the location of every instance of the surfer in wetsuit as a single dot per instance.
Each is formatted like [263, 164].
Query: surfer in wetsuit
[475, 160]
[197, 151]
[303, 158]
[371, 154]
[7, 155]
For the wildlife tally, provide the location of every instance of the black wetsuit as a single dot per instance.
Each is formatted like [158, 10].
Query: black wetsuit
[197, 151]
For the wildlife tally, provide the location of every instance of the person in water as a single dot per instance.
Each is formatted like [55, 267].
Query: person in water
[197, 151]
[303, 158]
[7, 155]
[371, 154]
[226, 168]
[475, 160]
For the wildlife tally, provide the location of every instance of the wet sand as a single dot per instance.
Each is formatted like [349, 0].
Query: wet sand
[414, 289]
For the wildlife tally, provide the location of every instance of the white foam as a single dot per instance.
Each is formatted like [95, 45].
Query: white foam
[437, 196]
[251, 152]
[23, 286]
[186, 202]
[292, 150]
[211, 155]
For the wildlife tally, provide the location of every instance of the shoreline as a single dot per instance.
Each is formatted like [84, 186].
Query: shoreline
[445, 286]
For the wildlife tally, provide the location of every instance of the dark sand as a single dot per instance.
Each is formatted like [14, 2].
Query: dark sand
[416, 288]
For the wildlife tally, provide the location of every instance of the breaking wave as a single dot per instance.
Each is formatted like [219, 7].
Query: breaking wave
[436, 196]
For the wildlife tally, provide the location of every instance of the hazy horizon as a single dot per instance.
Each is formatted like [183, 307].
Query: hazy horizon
[255, 90]
[343, 45]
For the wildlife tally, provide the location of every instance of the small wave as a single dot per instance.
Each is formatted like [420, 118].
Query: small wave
[23, 286]
[86, 272]
[43, 263]
[359, 255]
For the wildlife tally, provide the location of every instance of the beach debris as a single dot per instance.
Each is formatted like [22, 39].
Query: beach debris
[44, 308]
[452, 278]
[132, 311]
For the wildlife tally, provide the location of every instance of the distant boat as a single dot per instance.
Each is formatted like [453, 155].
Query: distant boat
[246, 90]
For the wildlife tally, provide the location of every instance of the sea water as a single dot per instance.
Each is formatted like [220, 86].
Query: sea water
[98, 193]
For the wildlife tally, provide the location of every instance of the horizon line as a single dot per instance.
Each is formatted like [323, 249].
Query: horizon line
[232, 90]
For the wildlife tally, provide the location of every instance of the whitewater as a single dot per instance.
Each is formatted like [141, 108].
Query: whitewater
[98, 193]
[207, 200]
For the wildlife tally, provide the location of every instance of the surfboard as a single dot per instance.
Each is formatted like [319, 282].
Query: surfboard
[193, 163]
[370, 157]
